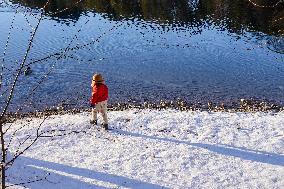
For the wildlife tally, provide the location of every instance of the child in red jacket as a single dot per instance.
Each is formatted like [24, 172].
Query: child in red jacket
[99, 99]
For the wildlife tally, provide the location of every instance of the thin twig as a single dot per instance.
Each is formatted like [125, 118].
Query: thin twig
[6, 3]
[30, 145]
[278, 19]
[13, 134]
[265, 6]
[7, 129]
[28, 22]
[6, 46]
[23, 142]
[29, 182]
[77, 47]
[46, 134]
[63, 10]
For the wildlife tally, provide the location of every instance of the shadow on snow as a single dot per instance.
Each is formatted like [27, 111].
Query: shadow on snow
[243, 153]
[63, 176]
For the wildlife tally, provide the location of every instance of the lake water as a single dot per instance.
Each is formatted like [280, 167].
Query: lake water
[147, 50]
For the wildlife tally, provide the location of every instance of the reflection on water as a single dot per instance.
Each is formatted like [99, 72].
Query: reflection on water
[199, 50]
[235, 16]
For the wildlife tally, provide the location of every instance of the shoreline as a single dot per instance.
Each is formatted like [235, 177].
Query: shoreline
[244, 105]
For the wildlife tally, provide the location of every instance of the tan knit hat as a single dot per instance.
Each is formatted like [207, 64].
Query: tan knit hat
[98, 78]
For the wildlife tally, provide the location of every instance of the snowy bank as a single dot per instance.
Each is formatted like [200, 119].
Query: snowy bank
[153, 149]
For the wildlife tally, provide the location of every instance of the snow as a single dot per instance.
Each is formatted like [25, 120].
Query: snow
[152, 149]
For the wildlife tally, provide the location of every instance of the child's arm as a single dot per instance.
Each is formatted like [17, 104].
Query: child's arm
[93, 83]
[93, 91]
[94, 96]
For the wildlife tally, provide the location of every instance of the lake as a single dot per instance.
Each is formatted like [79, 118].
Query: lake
[147, 50]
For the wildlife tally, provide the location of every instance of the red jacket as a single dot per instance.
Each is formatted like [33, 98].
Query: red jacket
[99, 93]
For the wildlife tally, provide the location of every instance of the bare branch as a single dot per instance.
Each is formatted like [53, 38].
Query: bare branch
[23, 63]
[13, 135]
[278, 19]
[30, 145]
[4, 163]
[7, 129]
[63, 10]
[77, 47]
[4, 2]
[30, 181]
[27, 20]
[265, 6]
[23, 142]
[63, 53]
[44, 134]
[6, 46]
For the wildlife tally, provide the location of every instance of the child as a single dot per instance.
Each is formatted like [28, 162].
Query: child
[99, 99]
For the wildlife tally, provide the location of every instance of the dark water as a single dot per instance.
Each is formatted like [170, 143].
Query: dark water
[200, 51]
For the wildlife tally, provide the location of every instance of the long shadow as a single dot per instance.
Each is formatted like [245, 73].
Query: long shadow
[63, 176]
[243, 153]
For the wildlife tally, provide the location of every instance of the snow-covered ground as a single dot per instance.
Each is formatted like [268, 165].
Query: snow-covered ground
[153, 149]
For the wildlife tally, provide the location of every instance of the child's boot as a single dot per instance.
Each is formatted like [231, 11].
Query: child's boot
[94, 122]
[105, 126]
